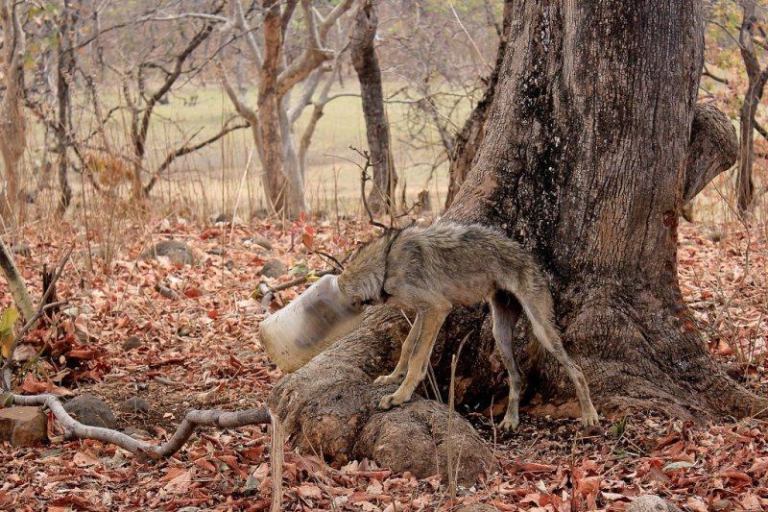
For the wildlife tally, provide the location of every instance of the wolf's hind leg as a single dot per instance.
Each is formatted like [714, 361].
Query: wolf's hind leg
[538, 308]
[433, 319]
[405, 354]
[506, 310]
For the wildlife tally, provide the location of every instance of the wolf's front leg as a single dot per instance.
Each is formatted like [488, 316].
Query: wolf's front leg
[405, 354]
[433, 319]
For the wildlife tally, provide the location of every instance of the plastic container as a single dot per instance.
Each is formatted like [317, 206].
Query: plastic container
[309, 324]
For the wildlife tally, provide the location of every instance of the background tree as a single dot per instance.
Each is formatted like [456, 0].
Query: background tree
[751, 34]
[65, 71]
[366, 64]
[734, 78]
[277, 75]
[592, 141]
[13, 135]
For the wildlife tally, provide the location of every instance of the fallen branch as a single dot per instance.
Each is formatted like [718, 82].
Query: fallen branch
[193, 419]
[33, 316]
[267, 292]
[15, 282]
[278, 461]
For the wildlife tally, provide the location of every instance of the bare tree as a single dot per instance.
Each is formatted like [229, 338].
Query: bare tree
[13, 134]
[445, 57]
[273, 117]
[65, 69]
[750, 34]
[141, 98]
[366, 63]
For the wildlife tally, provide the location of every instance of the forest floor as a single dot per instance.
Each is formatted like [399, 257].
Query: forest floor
[201, 350]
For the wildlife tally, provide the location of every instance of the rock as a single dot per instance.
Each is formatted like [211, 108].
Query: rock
[131, 343]
[477, 507]
[225, 218]
[176, 251]
[221, 217]
[714, 234]
[23, 426]
[651, 503]
[24, 352]
[274, 268]
[261, 242]
[21, 249]
[90, 410]
[135, 405]
[137, 433]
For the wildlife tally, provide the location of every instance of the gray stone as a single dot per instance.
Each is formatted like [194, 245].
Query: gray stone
[176, 251]
[274, 268]
[90, 410]
[23, 426]
[477, 507]
[262, 242]
[21, 249]
[131, 342]
[651, 503]
[221, 218]
[135, 405]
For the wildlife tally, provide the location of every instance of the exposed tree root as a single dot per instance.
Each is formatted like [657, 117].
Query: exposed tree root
[638, 350]
[329, 406]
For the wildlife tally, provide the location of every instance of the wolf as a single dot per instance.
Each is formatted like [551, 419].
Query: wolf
[430, 270]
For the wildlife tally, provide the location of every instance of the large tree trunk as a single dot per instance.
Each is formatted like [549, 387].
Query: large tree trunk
[366, 64]
[586, 161]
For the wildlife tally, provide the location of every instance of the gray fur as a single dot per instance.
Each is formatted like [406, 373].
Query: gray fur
[430, 270]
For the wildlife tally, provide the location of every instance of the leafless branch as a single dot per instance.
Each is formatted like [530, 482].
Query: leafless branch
[191, 148]
[192, 420]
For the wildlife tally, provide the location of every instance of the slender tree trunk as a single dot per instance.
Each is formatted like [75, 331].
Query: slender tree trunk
[13, 135]
[283, 184]
[366, 63]
[745, 187]
[65, 70]
[756, 79]
[589, 148]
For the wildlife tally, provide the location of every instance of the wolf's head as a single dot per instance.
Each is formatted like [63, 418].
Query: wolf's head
[363, 277]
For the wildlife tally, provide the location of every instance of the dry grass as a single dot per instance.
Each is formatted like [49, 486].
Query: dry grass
[208, 182]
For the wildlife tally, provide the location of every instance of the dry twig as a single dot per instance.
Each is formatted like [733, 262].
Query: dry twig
[193, 419]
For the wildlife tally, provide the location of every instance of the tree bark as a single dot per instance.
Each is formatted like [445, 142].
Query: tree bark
[366, 64]
[468, 140]
[270, 120]
[756, 79]
[65, 69]
[584, 163]
[13, 135]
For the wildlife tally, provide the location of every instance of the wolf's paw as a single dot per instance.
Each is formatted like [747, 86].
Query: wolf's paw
[509, 423]
[392, 378]
[393, 400]
[589, 418]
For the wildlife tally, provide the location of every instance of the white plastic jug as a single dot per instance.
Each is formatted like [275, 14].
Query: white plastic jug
[309, 324]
